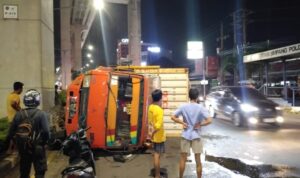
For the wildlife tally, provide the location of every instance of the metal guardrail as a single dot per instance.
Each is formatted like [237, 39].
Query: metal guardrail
[263, 89]
[294, 89]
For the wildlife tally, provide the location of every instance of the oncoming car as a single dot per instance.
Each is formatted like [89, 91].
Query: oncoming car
[243, 106]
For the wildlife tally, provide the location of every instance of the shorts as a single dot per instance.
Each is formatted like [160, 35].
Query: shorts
[159, 147]
[195, 144]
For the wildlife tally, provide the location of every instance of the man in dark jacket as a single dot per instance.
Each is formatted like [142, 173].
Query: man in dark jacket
[35, 152]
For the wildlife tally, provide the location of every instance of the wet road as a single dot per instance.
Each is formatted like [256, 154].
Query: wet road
[265, 144]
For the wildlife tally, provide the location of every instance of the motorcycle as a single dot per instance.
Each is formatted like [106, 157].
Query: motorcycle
[81, 157]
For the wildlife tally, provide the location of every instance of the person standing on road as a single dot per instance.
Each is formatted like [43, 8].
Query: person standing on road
[32, 147]
[158, 137]
[194, 117]
[13, 101]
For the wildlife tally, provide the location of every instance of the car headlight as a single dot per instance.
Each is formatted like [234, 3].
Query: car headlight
[280, 119]
[278, 108]
[201, 98]
[253, 120]
[248, 108]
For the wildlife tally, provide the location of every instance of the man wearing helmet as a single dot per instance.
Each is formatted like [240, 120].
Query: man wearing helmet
[35, 153]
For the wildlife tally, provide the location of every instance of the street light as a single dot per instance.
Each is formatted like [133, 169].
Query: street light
[98, 4]
[88, 65]
[88, 55]
[91, 61]
[90, 47]
[154, 49]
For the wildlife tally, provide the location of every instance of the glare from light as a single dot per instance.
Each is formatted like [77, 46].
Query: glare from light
[248, 108]
[98, 4]
[88, 55]
[91, 61]
[91, 47]
[201, 98]
[88, 65]
[154, 49]
[143, 63]
[253, 120]
[195, 50]
[124, 40]
[280, 119]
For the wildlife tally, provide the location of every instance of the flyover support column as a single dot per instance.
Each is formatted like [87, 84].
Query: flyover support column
[76, 47]
[66, 61]
[27, 49]
[134, 31]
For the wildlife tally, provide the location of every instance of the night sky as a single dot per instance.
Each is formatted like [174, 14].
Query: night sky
[171, 23]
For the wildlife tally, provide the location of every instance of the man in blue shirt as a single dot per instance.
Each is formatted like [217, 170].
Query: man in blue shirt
[194, 117]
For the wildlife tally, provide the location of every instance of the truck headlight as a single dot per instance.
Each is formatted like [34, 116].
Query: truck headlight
[248, 108]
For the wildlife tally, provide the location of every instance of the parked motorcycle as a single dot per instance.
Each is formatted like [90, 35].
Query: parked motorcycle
[81, 157]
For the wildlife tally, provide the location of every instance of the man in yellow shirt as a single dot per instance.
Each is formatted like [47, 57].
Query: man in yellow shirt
[155, 118]
[13, 101]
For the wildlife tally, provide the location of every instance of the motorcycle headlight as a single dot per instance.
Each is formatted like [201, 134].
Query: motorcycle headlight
[248, 108]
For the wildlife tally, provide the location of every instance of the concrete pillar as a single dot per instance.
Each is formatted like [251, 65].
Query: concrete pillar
[76, 47]
[27, 50]
[65, 27]
[134, 31]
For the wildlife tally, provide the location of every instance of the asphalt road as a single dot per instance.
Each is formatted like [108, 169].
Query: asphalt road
[262, 145]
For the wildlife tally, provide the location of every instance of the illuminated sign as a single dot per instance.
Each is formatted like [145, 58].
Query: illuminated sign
[195, 50]
[279, 52]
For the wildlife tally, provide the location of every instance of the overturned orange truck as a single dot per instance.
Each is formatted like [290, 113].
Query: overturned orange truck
[114, 102]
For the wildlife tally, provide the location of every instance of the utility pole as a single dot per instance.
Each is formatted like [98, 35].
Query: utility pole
[221, 40]
[240, 21]
[239, 31]
[222, 37]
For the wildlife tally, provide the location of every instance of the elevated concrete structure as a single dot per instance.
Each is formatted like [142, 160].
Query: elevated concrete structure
[77, 17]
[27, 50]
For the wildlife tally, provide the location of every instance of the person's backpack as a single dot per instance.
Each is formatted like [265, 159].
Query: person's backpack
[26, 135]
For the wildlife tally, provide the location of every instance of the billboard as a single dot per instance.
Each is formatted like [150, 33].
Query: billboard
[212, 66]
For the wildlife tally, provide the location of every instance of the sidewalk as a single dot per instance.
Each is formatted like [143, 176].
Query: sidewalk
[136, 168]
[7, 163]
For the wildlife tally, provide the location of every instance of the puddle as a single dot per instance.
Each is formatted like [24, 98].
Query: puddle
[214, 137]
[255, 171]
